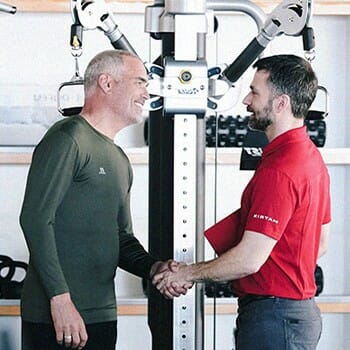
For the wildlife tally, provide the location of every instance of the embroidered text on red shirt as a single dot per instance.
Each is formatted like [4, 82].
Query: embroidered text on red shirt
[265, 217]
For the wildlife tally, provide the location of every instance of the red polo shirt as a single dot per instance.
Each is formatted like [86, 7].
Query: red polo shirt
[287, 199]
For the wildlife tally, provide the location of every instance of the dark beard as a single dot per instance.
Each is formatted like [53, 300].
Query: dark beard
[260, 124]
[263, 121]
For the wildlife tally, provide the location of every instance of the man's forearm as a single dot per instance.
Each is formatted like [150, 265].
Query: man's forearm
[220, 269]
[242, 260]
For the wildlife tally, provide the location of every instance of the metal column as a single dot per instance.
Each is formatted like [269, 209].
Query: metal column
[177, 147]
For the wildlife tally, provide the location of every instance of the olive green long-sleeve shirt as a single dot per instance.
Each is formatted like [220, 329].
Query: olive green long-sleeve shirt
[76, 221]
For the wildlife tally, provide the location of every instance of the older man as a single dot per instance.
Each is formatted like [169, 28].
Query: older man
[76, 215]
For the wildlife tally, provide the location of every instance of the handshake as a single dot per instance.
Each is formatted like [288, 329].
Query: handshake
[171, 278]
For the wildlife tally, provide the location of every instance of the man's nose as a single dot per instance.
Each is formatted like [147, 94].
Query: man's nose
[247, 100]
[145, 94]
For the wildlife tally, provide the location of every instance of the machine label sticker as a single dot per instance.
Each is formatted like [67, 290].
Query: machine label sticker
[192, 91]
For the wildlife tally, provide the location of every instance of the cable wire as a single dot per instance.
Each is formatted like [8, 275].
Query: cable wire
[215, 190]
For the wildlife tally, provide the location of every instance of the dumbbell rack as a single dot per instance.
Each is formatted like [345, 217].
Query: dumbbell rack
[232, 130]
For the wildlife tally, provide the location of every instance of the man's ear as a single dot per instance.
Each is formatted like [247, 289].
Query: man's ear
[104, 83]
[282, 103]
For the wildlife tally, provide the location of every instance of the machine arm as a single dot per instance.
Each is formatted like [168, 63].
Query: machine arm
[7, 8]
[92, 14]
[111, 30]
[290, 18]
[235, 70]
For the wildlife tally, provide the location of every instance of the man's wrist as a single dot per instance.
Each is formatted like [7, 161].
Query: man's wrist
[61, 298]
[154, 269]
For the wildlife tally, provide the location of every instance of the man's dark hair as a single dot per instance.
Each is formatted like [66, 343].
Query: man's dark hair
[293, 76]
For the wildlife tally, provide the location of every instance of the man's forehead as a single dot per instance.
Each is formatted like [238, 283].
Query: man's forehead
[262, 74]
[260, 78]
[135, 67]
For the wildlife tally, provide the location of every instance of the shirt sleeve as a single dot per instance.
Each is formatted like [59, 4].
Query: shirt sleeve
[272, 202]
[132, 257]
[50, 175]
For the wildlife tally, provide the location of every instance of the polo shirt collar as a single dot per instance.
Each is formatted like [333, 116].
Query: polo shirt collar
[290, 136]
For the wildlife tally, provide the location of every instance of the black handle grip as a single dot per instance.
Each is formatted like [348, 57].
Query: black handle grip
[308, 38]
[70, 111]
[235, 70]
[123, 44]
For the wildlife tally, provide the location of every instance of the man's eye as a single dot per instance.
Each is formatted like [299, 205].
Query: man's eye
[142, 84]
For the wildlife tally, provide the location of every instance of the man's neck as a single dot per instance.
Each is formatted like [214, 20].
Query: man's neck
[277, 129]
[102, 122]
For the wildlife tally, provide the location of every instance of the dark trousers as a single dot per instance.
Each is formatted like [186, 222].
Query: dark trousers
[278, 324]
[41, 336]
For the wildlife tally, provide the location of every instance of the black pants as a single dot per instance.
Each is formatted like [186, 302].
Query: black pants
[42, 336]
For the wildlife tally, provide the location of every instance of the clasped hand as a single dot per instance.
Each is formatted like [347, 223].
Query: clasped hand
[172, 281]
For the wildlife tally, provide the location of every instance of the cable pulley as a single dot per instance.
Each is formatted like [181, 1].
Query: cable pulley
[76, 84]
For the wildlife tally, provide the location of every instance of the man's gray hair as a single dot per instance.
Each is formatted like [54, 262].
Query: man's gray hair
[106, 62]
